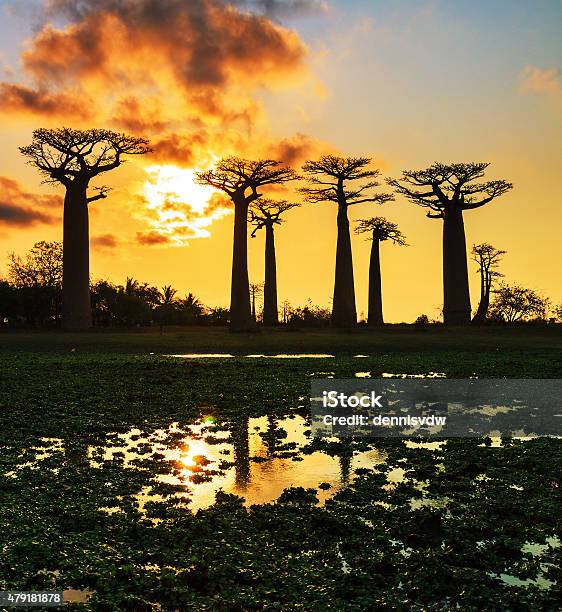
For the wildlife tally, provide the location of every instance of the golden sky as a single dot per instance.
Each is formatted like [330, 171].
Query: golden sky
[405, 82]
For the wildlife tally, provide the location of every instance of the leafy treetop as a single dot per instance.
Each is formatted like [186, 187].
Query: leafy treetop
[381, 229]
[444, 186]
[327, 178]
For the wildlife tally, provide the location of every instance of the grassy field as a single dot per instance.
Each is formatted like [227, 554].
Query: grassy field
[210, 340]
[463, 516]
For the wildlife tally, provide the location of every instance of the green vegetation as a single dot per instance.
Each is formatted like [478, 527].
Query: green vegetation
[464, 514]
[523, 343]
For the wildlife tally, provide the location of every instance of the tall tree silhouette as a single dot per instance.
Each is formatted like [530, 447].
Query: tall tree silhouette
[256, 289]
[380, 229]
[447, 190]
[240, 179]
[73, 158]
[328, 182]
[266, 214]
[488, 258]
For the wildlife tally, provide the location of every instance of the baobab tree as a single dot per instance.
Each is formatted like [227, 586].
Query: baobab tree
[265, 213]
[73, 158]
[240, 179]
[447, 190]
[488, 258]
[328, 180]
[256, 289]
[379, 229]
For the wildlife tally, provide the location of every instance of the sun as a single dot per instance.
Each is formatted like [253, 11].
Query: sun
[178, 208]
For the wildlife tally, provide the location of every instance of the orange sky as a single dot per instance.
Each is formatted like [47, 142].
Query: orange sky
[207, 79]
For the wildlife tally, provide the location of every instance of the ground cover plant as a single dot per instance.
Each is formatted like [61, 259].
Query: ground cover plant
[469, 523]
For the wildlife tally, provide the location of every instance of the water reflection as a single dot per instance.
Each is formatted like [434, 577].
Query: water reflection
[257, 459]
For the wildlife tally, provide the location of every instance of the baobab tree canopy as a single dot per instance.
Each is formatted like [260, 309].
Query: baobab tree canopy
[235, 176]
[73, 158]
[240, 179]
[265, 212]
[449, 185]
[380, 229]
[327, 179]
[447, 190]
[64, 154]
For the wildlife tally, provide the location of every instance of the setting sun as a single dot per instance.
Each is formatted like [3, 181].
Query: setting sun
[178, 208]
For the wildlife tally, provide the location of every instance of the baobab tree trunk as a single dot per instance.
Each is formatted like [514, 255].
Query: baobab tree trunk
[270, 287]
[484, 304]
[344, 313]
[240, 312]
[375, 318]
[76, 307]
[456, 296]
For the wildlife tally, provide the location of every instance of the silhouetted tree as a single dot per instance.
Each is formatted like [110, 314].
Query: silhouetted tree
[104, 296]
[380, 229]
[513, 303]
[448, 190]
[166, 312]
[191, 309]
[488, 258]
[73, 158]
[328, 182]
[286, 309]
[256, 289]
[240, 179]
[38, 277]
[266, 214]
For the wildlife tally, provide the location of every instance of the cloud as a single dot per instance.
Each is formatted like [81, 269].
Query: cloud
[153, 238]
[286, 8]
[20, 99]
[295, 150]
[547, 81]
[11, 214]
[104, 241]
[196, 60]
[20, 208]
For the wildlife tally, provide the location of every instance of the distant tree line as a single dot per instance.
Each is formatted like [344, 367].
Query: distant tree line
[31, 297]
[73, 158]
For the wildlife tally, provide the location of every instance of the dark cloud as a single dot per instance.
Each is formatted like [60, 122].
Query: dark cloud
[16, 99]
[285, 8]
[19, 208]
[295, 150]
[201, 47]
[11, 214]
[152, 238]
[182, 149]
[138, 116]
[104, 241]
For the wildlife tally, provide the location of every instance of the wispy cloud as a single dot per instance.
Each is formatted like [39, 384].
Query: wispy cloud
[545, 81]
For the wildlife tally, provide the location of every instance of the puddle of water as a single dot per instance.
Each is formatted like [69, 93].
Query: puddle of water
[428, 375]
[77, 596]
[202, 356]
[230, 356]
[257, 461]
